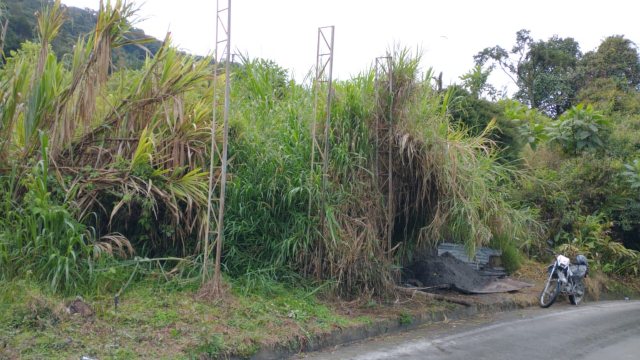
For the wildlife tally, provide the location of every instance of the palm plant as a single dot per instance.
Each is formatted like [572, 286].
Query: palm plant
[126, 148]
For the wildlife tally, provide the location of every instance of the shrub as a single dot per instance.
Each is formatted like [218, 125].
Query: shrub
[40, 236]
[512, 258]
[579, 129]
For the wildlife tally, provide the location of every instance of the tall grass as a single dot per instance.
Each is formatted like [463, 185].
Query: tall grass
[266, 217]
[39, 236]
[122, 170]
[449, 182]
[446, 182]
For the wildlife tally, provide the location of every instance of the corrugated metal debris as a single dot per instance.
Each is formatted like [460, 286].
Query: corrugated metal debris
[480, 274]
[481, 259]
[486, 260]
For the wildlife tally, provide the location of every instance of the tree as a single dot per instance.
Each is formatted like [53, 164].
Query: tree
[606, 95]
[544, 71]
[508, 62]
[475, 81]
[616, 58]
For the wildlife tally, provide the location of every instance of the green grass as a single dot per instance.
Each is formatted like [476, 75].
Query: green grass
[156, 320]
[405, 318]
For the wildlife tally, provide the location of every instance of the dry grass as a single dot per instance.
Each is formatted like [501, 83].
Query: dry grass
[443, 183]
[595, 285]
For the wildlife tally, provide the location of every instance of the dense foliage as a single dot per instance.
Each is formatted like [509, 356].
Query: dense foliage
[550, 74]
[22, 26]
[101, 165]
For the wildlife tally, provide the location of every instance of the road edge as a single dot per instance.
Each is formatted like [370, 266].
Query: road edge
[348, 335]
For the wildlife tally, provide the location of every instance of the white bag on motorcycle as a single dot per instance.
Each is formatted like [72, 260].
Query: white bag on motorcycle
[563, 260]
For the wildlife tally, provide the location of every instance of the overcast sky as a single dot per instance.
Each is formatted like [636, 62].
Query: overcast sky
[448, 32]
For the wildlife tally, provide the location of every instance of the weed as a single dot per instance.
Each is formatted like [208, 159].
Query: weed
[405, 318]
[211, 347]
[163, 318]
[247, 348]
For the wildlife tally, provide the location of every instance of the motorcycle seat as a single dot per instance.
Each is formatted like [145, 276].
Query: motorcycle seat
[578, 270]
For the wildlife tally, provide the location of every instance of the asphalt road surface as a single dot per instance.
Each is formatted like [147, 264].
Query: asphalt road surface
[602, 330]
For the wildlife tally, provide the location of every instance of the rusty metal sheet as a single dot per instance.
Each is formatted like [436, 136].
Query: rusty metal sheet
[500, 286]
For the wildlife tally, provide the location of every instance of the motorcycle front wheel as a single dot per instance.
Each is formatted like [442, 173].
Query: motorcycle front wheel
[550, 293]
[576, 298]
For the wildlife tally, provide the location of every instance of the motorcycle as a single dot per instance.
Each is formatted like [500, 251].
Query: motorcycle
[565, 278]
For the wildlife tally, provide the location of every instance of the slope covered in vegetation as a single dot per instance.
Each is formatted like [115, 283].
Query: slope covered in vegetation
[111, 165]
[104, 182]
[103, 167]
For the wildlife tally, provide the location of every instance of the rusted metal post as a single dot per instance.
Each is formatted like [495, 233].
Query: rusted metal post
[223, 36]
[384, 81]
[324, 75]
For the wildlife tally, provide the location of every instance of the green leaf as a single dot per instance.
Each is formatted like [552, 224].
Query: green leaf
[583, 134]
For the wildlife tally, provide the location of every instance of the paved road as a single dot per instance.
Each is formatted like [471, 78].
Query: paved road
[604, 330]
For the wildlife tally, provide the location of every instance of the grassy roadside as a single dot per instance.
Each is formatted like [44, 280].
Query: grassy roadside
[161, 321]
[156, 321]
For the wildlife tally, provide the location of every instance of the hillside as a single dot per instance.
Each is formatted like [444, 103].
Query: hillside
[22, 27]
[106, 178]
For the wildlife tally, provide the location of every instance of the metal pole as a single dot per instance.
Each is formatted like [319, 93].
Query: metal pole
[376, 84]
[390, 204]
[225, 146]
[324, 68]
[327, 125]
[214, 147]
[314, 143]
[384, 69]
[205, 261]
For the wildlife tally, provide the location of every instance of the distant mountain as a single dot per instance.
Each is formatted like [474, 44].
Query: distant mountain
[22, 27]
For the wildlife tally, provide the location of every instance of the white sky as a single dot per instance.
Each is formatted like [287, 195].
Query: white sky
[448, 32]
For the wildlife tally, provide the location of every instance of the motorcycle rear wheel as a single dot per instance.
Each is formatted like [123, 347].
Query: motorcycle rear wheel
[550, 293]
[577, 297]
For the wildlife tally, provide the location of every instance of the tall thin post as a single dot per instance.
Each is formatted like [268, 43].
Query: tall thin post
[225, 153]
[324, 75]
[3, 33]
[384, 81]
[390, 199]
[327, 125]
[223, 36]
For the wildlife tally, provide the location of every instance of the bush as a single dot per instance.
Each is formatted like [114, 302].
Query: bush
[512, 258]
[40, 236]
[580, 129]
[588, 204]
[590, 236]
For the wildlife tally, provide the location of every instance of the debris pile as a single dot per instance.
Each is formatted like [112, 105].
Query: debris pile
[448, 271]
